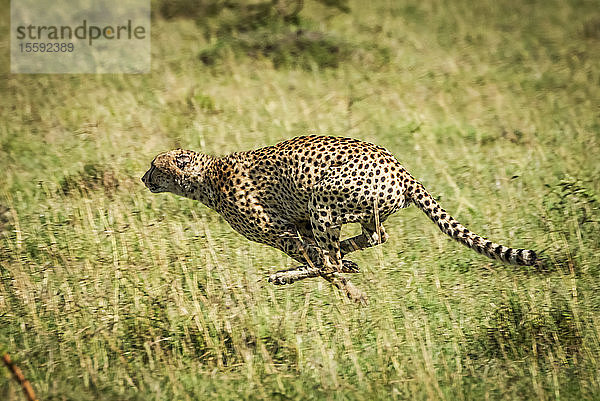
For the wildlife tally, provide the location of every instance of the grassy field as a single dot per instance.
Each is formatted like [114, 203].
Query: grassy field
[109, 292]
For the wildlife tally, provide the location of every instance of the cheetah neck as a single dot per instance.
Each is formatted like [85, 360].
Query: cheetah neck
[201, 184]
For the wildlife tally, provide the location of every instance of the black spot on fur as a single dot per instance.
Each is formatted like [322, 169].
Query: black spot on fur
[520, 256]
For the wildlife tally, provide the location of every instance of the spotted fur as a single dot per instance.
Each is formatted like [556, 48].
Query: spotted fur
[296, 195]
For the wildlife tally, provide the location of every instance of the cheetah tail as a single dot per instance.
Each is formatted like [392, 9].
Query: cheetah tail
[458, 232]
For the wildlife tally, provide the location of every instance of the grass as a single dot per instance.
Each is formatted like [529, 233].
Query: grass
[110, 292]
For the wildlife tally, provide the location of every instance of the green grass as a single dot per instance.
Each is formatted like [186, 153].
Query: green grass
[110, 292]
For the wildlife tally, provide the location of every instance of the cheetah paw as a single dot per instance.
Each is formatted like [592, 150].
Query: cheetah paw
[280, 279]
[355, 294]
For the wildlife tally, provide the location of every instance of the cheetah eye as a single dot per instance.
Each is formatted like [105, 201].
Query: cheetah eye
[182, 161]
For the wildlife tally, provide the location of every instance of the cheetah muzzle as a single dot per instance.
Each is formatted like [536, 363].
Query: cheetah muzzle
[296, 195]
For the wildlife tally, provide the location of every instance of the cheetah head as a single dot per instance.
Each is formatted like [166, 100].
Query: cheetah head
[173, 171]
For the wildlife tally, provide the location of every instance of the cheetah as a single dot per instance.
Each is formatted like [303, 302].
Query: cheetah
[296, 195]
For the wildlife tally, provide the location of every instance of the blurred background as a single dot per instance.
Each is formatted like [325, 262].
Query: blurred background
[110, 292]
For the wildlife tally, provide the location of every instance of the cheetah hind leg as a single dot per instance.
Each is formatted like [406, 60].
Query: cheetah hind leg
[370, 236]
[288, 276]
[305, 230]
[327, 238]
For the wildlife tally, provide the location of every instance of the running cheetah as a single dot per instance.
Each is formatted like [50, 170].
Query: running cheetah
[296, 195]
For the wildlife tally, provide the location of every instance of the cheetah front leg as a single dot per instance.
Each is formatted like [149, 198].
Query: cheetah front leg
[300, 249]
[347, 287]
[303, 272]
[306, 232]
[288, 276]
[327, 237]
[307, 252]
[368, 238]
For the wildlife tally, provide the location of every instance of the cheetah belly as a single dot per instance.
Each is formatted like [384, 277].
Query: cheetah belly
[258, 214]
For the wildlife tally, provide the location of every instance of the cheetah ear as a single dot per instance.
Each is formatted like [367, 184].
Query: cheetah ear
[182, 161]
